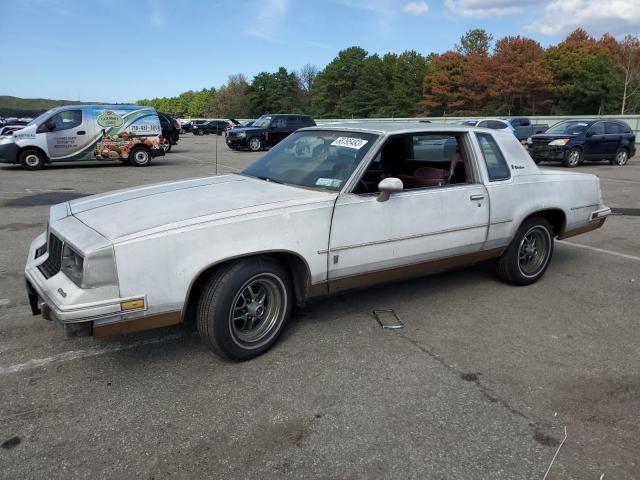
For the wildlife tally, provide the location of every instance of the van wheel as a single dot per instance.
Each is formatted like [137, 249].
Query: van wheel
[572, 158]
[255, 144]
[527, 258]
[244, 307]
[140, 157]
[32, 159]
[621, 158]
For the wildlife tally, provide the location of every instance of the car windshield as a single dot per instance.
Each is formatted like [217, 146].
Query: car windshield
[569, 128]
[262, 122]
[320, 159]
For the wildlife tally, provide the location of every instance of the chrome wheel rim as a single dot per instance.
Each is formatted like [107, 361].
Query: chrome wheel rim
[533, 252]
[621, 157]
[256, 310]
[141, 156]
[165, 144]
[574, 158]
[32, 160]
[254, 144]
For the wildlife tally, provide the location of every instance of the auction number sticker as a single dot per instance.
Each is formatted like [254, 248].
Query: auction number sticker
[329, 182]
[349, 142]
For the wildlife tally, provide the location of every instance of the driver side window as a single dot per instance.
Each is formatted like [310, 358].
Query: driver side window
[597, 129]
[62, 121]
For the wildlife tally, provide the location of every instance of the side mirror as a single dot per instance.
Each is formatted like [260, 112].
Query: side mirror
[589, 134]
[388, 186]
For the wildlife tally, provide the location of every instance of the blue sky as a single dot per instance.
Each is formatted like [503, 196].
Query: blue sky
[112, 50]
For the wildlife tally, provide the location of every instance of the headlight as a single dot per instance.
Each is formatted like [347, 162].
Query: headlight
[559, 142]
[242, 134]
[529, 141]
[72, 265]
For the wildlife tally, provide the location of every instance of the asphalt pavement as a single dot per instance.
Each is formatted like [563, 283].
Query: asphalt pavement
[480, 384]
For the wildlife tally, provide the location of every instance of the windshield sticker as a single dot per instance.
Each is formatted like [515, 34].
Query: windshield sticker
[349, 142]
[329, 182]
[582, 124]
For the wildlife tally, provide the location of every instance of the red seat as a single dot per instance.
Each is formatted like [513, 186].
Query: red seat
[425, 177]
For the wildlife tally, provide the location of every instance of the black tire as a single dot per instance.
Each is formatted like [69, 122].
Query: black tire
[524, 263]
[200, 132]
[166, 145]
[32, 159]
[226, 292]
[140, 157]
[621, 158]
[254, 144]
[573, 158]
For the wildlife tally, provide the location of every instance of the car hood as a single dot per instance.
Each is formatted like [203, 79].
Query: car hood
[550, 136]
[128, 212]
[247, 129]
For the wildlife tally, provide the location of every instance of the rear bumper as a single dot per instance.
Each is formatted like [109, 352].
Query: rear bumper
[157, 152]
[596, 220]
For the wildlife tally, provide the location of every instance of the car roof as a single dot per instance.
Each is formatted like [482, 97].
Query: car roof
[397, 127]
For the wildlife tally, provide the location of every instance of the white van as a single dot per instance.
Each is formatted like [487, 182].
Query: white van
[128, 133]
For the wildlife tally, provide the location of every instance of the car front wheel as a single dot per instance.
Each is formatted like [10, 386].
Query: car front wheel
[32, 159]
[255, 144]
[528, 256]
[572, 158]
[621, 158]
[244, 307]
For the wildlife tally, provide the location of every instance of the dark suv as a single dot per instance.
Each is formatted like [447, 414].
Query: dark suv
[574, 141]
[170, 131]
[267, 131]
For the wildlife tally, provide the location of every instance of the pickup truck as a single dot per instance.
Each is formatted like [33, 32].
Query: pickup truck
[524, 128]
[327, 209]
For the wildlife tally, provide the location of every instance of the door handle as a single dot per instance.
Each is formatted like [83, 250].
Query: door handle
[477, 196]
[81, 132]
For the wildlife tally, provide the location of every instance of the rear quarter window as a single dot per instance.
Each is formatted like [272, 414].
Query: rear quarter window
[496, 164]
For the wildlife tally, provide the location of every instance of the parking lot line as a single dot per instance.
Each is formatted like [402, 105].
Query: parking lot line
[78, 354]
[601, 250]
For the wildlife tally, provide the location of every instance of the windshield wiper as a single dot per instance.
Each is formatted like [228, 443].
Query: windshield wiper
[268, 179]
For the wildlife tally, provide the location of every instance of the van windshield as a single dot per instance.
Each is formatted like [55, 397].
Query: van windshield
[40, 118]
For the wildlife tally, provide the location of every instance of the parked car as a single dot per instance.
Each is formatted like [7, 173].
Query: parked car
[187, 126]
[267, 131]
[170, 131]
[574, 141]
[211, 126]
[7, 129]
[492, 123]
[128, 133]
[327, 209]
[524, 128]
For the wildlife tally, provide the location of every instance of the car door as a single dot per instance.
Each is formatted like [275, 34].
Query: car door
[612, 139]
[415, 231]
[277, 130]
[594, 141]
[68, 135]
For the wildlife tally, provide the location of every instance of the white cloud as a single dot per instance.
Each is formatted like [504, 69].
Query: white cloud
[490, 8]
[617, 17]
[416, 8]
[266, 23]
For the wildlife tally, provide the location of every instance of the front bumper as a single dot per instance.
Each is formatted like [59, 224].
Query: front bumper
[8, 152]
[236, 142]
[546, 152]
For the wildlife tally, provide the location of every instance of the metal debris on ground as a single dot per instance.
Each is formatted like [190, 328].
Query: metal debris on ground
[388, 319]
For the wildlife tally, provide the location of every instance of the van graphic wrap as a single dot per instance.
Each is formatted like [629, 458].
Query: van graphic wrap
[122, 133]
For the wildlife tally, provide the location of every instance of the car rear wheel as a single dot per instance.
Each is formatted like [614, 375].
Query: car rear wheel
[166, 145]
[528, 256]
[32, 159]
[572, 158]
[244, 307]
[140, 157]
[200, 132]
[621, 158]
[255, 144]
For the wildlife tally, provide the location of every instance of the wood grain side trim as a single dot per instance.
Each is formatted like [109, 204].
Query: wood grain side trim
[578, 231]
[137, 325]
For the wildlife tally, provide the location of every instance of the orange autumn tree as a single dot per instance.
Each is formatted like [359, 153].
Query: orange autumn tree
[521, 83]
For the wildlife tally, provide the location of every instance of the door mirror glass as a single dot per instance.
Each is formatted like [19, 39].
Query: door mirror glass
[388, 186]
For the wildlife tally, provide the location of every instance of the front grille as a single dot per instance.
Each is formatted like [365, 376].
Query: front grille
[53, 263]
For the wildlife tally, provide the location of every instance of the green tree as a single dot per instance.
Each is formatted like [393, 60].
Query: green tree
[476, 41]
[369, 94]
[274, 92]
[233, 99]
[337, 81]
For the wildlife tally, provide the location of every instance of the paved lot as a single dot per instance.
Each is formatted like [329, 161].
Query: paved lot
[479, 384]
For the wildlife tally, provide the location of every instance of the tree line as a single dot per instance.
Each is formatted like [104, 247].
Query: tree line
[514, 75]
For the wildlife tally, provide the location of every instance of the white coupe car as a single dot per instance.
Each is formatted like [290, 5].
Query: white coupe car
[329, 208]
